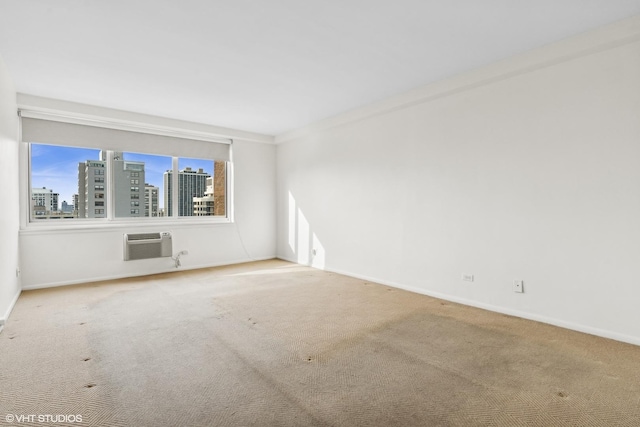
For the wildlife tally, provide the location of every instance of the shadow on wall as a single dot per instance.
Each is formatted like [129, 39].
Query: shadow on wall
[303, 242]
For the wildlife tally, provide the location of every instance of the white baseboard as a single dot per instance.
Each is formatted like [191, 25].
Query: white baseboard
[498, 309]
[284, 258]
[5, 317]
[146, 273]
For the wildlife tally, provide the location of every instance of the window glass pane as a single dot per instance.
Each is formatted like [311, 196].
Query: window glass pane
[60, 181]
[72, 182]
[201, 192]
[137, 178]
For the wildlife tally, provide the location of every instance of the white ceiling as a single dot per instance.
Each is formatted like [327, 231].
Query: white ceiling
[269, 66]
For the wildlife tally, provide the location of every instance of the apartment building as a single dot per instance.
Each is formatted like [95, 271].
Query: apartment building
[191, 184]
[129, 194]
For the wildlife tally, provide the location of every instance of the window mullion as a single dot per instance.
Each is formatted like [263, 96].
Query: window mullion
[111, 209]
[174, 189]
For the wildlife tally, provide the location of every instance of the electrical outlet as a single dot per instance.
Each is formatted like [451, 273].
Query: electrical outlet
[467, 277]
[518, 286]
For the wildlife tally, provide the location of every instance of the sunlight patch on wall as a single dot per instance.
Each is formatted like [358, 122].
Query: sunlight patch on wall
[304, 240]
[305, 245]
[292, 223]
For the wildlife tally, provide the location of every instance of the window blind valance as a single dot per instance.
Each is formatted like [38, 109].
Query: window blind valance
[99, 136]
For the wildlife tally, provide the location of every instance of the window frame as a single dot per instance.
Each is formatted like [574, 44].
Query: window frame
[110, 220]
[113, 120]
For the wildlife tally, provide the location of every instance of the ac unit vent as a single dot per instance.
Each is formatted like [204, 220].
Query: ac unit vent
[147, 245]
[143, 236]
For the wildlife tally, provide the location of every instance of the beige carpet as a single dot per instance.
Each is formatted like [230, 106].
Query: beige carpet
[276, 344]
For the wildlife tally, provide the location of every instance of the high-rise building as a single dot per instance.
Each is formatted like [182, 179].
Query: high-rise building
[127, 189]
[91, 189]
[204, 206]
[191, 184]
[65, 207]
[75, 204]
[151, 200]
[45, 198]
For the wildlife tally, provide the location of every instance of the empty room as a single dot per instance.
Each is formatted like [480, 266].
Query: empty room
[320, 213]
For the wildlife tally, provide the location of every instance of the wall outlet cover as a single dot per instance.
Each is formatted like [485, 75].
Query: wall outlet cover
[518, 286]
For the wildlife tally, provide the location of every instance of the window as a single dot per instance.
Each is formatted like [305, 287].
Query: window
[201, 184]
[146, 169]
[104, 181]
[201, 188]
[60, 174]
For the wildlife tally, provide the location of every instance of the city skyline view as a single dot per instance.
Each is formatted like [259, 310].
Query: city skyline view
[56, 168]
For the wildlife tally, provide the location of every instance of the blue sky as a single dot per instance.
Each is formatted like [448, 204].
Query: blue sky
[56, 168]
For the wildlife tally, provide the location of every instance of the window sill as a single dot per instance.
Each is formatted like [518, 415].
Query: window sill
[91, 226]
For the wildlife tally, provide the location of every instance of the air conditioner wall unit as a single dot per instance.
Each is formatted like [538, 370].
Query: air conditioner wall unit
[147, 245]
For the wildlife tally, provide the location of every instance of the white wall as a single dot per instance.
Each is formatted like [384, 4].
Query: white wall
[528, 169]
[9, 214]
[59, 257]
